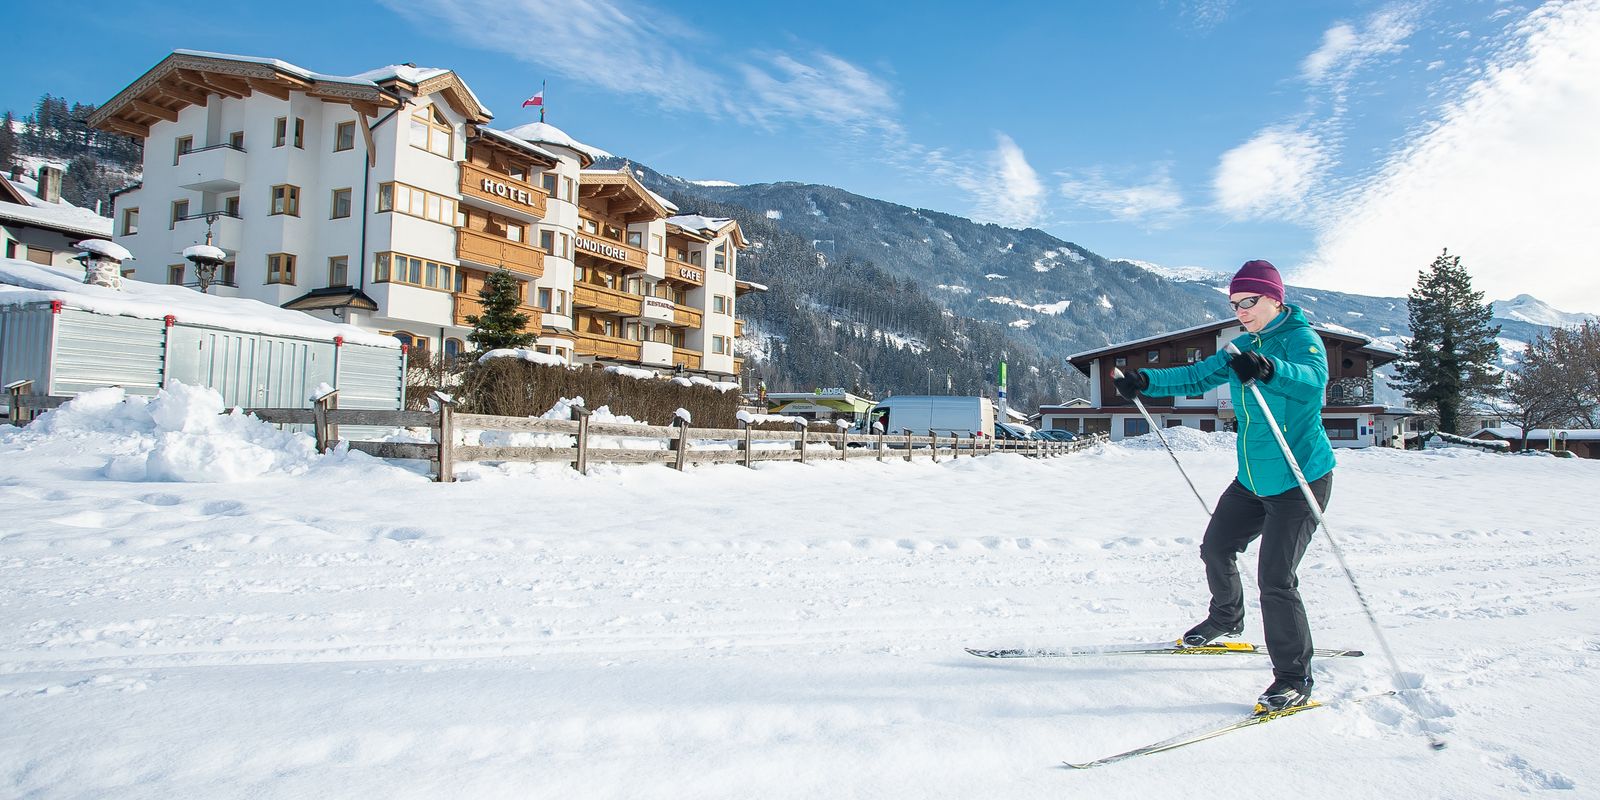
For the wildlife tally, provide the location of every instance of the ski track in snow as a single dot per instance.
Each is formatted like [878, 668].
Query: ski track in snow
[788, 631]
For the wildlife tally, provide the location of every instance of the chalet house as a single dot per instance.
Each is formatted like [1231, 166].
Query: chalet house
[1350, 415]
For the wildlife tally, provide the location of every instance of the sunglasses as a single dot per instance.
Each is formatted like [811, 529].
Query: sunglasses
[1248, 302]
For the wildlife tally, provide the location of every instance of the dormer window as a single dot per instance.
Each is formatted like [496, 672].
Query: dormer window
[430, 131]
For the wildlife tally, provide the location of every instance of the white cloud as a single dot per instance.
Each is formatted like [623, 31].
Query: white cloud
[1156, 199]
[829, 90]
[1269, 175]
[1507, 178]
[1011, 193]
[1345, 48]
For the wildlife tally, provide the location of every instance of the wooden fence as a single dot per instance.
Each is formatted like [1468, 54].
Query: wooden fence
[681, 444]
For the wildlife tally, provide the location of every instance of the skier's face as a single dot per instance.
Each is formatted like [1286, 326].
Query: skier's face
[1258, 314]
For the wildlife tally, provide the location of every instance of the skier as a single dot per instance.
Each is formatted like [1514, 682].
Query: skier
[1285, 357]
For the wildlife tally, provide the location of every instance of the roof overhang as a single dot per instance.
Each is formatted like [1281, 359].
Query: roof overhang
[187, 78]
[513, 147]
[626, 196]
[332, 297]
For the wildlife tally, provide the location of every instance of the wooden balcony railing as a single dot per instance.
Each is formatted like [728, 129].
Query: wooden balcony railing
[601, 346]
[495, 252]
[471, 303]
[609, 249]
[503, 191]
[588, 295]
[686, 316]
[688, 358]
[738, 328]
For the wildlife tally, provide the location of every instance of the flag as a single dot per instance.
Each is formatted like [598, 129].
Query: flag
[536, 100]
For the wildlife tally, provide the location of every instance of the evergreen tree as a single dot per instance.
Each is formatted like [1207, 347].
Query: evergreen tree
[1452, 349]
[501, 324]
[8, 144]
[86, 184]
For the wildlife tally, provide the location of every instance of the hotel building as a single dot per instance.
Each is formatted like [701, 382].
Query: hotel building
[385, 200]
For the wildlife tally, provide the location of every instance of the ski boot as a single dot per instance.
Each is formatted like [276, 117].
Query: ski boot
[1285, 693]
[1207, 632]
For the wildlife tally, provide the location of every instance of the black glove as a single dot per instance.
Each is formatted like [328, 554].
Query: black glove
[1251, 366]
[1129, 386]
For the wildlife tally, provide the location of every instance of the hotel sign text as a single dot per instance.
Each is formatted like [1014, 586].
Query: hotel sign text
[506, 191]
[601, 248]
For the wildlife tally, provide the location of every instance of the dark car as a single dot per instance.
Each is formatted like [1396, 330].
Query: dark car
[1057, 435]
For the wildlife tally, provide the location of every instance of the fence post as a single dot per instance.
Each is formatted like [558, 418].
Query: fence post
[17, 389]
[908, 443]
[881, 446]
[327, 435]
[803, 429]
[744, 446]
[682, 447]
[582, 464]
[935, 449]
[446, 432]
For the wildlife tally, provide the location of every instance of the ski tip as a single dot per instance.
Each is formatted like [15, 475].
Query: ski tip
[1078, 766]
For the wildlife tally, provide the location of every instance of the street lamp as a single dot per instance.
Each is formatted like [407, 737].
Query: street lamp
[930, 380]
[206, 257]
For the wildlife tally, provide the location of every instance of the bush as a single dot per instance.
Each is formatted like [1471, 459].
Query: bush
[512, 387]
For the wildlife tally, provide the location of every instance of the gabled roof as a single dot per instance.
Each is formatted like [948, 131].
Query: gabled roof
[1380, 353]
[545, 133]
[189, 77]
[62, 217]
[332, 297]
[707, 228]
[628, 197]
[524, 148]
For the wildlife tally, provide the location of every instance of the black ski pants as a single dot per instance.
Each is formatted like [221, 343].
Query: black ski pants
[1284, 524]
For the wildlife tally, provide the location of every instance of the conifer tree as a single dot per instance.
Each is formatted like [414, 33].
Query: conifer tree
[8, 143]
[1453, 348]
[500, 324]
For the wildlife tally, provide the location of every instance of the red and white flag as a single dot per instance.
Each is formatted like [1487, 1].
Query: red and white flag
[536, 100]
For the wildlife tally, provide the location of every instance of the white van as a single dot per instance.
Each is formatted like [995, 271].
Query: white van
[942, 414]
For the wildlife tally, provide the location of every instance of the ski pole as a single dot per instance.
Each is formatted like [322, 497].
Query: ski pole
[1116, 372]
[1316, 512]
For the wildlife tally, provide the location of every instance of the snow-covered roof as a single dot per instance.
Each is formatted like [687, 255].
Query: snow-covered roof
[698, 222]
[1570, 434]
[670, 206]
[1321, 327]
[545, 133]
[405, 72]
[118, 252]
[519, 143]
[23, 282]
[61, 216]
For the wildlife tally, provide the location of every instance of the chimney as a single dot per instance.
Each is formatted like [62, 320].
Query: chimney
[49, 183]
[16, 174]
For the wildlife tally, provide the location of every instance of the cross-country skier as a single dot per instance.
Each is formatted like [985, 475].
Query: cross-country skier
[1285, 357]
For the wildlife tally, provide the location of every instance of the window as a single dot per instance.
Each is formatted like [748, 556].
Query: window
[299, 133]
[566, 246]
[339, 271]
[566, 189]
[40, 255]
[285, 200]
[677, 338]
[280, 268]
[548, 181]
[1340, 429]
[401, 268]
[280, 131]
[545, 296]
[1194, 354]
[180, 209]
[1152, 356]
[561, 301]
[227, 275]
[1134, 426]
[719, 344]
[418, 203]
[453, 348]
[130, 221]
[1121, 361]
[719, 304]
[720, 263]
[636, 239]
[184, 144]
[175, 274]
[655, 244]
[344, 136]
[341, 203]
[697, 257]
[609, 328]
[547, 241]
[236, 140]
[430, 131]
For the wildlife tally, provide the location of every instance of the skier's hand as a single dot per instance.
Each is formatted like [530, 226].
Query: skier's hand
[1251, 366]
[1129, 386]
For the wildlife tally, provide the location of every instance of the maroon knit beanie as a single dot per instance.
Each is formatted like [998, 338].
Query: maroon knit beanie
[1258, 277]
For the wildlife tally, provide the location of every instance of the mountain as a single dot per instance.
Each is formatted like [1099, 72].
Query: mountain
[1532, 310]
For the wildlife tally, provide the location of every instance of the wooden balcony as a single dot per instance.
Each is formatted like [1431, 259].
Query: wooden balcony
[687, 317]
[609, 250]
[494, 252]
[738, 328]
[601, 346]
[738, 365]
[502, 192]
[469, 303]
[588, 295]
[686, 272]
[688, 358]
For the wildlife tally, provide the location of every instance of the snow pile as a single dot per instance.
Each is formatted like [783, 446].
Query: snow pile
[1183, 438]
[525, 354]
[101, 247]
[757, 419]
[203, 251]
[180, 435]
[631, 372]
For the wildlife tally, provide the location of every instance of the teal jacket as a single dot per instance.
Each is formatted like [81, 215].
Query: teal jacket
[1294, 395]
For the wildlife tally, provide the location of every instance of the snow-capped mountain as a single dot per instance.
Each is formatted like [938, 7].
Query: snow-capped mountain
[1527, 308]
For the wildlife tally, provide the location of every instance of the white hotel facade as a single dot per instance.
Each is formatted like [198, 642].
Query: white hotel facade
[385, 200]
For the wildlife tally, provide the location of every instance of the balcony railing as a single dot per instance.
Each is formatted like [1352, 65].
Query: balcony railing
[602, 346]
[609, 249]
[214, 168]
[588, 295]
[687, 317]
[469, 303]
[495, 252]
[503, 191]
[738, 328]
[688, 358]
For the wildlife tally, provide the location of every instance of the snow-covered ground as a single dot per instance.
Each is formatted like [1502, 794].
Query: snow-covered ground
[341, 627]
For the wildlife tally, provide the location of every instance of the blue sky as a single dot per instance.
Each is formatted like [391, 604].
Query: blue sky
[1348, 142]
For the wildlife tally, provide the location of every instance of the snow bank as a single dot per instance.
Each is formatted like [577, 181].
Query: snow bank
[179, 435]
[1189, 439]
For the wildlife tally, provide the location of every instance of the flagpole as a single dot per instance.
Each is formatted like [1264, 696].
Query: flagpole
[541, 105]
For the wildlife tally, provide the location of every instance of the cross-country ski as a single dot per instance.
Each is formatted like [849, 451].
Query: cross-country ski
[1150, 649]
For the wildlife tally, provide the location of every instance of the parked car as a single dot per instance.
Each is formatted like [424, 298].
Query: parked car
[1057, 435]
[944, 414]
[1011, 431]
